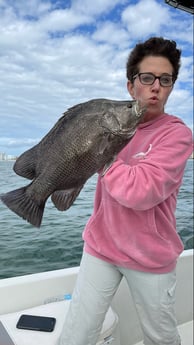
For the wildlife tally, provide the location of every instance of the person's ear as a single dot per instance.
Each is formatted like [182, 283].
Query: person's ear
[130, 88]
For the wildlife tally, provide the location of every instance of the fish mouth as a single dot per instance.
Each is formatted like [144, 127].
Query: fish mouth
[138, 109]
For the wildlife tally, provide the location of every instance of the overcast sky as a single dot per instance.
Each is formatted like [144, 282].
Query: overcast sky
[54, 54]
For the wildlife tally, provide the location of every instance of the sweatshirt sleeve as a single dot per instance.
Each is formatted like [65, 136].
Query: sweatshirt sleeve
[152, 179]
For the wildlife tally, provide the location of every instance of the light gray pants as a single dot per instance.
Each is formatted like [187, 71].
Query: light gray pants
[153, 295]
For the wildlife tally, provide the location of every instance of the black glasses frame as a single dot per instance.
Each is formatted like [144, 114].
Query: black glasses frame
[154, 78]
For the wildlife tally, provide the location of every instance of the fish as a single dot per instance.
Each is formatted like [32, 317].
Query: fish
[86, 138]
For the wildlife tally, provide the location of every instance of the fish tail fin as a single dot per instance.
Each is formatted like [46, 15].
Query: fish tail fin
[24, 206]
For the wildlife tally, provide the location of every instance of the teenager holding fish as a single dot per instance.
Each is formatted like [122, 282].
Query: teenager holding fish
[132, 231]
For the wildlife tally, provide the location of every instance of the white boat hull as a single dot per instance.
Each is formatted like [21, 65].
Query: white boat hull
[29, 291]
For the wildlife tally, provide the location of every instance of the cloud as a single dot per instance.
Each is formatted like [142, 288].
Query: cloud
[180, 102]
[145, 17]
[95, 8]
[55, 54]
[111, 33]
[63, 20]
[18, 142]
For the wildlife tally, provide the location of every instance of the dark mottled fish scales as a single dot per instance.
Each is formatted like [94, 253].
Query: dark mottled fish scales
[82, 141]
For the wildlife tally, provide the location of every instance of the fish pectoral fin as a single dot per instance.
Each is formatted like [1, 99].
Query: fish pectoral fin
[105, 142]
[63, 199]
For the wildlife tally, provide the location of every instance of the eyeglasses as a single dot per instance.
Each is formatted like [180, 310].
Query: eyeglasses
[149, 79]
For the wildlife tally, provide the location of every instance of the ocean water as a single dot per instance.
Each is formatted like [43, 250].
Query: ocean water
[25, 249]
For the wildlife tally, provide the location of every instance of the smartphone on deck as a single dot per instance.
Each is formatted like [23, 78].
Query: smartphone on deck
[4, 336]
[36, 323]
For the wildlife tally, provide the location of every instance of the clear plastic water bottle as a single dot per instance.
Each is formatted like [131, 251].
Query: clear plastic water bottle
[58, 298]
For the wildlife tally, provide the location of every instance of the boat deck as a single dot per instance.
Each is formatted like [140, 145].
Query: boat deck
[58, 310]
[36, 293]
[186, 333]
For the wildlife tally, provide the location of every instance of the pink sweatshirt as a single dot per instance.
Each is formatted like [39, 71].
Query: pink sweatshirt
[133, 224]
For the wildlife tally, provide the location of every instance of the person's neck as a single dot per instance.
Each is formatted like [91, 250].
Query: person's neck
[150, 116]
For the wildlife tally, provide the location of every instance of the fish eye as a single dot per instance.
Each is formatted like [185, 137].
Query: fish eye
[129, 105]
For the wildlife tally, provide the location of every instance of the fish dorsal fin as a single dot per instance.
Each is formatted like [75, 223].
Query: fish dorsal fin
[63, 199]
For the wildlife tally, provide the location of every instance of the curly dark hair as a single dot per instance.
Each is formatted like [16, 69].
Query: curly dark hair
[154, 46]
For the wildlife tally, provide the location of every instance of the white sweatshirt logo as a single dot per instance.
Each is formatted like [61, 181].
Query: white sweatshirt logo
[142, 155]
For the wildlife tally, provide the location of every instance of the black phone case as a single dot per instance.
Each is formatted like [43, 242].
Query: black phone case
[36, 323]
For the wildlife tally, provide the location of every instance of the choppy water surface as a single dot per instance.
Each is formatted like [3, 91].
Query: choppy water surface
[58, 243]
